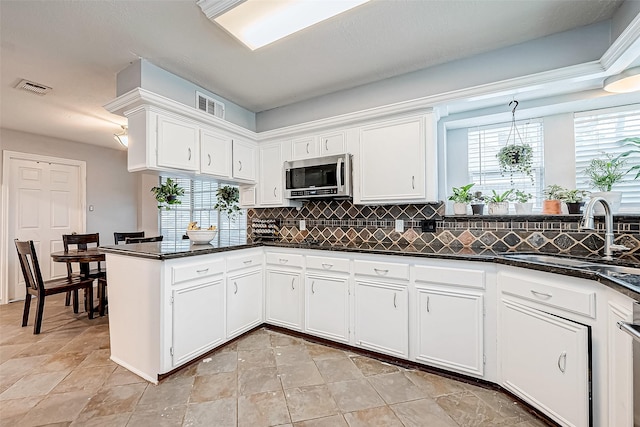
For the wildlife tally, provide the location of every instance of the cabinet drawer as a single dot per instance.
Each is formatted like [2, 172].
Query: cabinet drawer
[450, 276]
[182, 273]
[285, 260]
[244, 261]
[382, 269]
[337, 265]
[581, 301]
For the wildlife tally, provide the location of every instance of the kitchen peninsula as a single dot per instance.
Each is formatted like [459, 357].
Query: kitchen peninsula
[173, 302]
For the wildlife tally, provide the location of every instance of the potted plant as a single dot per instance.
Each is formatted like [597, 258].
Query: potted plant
[635, 144]
[516, 158]
[603, 172]
[167, 193]
[477, 203]
[228, 199]
[574, 200]
[553, 199]
[523, 204]
[499, 202]
[461, 197]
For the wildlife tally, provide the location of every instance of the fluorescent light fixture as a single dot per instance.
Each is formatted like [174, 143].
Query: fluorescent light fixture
[257, 23]
[122, 138]
[626, 81]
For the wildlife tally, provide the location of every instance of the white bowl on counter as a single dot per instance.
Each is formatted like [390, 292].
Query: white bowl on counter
[201, 237]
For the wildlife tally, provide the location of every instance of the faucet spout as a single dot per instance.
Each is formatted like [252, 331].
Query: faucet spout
[587, 223]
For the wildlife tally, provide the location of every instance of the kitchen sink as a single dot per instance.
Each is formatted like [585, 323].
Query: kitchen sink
[619, 269]
[554, 260]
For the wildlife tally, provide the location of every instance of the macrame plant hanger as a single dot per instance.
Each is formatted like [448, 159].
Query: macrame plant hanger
[513, 126]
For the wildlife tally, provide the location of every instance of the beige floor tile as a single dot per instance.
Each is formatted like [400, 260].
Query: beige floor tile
[57, 408]
[116, 420]
[369, 366]
[63, 361]
[166, 394]
[291, 355]
[332, 421]
[396, 388]
[470, 411]
[502, 404]
[282, 340]
[335, 370]
[14, 369]
[42, 347]
[255, 341]
[85, 379]
[311, 402]
[355, 395]
[214, 387]
[122, 376]
[423, 412]
[258, 380]
[12, 411]
[167, 416]
[320, 352]
[263, 410]
[218, 413]
[112, 401]
[435, 385]
[97, 358]
[8, 351]
[381, 416]
[33, 385]
[299, 375]
[219, 362]
[251, 359]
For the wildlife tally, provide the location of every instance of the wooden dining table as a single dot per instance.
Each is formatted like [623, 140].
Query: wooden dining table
[81, 256]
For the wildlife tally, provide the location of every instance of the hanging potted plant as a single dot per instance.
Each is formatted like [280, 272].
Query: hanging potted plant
[167, 194]
[518, 156]
[461, 197]
[228, 199]
[603, 173]
[574, 199]
[553, 199]
[523, 204]
[499, 202]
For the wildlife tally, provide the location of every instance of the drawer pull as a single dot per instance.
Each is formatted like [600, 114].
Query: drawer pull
[239, 165]
[563, 358]
[202, 271]
[292, 282]
[209, 156]
[249, 261]
[413, 182]
[283, 260]
[312, 290]
[380, 271]
[235, 291]
[189, 154]
[326, 144]
[427, 304]
[274, 192]
[307, 148]
[541, 294]
[327, 266]
[395, 297]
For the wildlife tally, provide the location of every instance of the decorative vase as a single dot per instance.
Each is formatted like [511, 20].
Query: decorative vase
[459, 208]
[551, 207]
[524, 208]
[614, 198]
[477, 209]
[499, 208]
[574, 207]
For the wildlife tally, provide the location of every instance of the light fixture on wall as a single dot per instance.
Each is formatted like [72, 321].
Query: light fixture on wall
[123, 137]
[257, 23]
[626, 81]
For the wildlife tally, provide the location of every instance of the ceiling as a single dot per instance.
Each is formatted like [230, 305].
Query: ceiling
[78, 47]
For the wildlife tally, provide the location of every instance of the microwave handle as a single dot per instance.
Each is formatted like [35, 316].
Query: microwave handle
[339, 174]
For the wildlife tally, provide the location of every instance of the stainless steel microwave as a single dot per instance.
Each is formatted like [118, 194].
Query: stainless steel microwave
[320, 177]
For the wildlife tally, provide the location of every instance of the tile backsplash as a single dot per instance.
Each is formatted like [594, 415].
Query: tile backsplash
[342, 221]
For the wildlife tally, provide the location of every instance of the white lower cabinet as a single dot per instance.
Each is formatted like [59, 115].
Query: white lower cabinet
[545, 360]
[327, 307]
[244, 301]
[284, 304]
[382, 317]
[197, 319]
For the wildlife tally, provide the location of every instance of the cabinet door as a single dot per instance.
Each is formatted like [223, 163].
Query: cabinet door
[327, 307]
[177, 143]
[392, 161]
[198, 320]
[620, 353]
[215, 154]
[332, 144]
[443, 314]
[381, 317]
[244, 302]
[304, 148]
[271, 179]
[545, 360]
[283, 299]
[247, 196]
[244, 160]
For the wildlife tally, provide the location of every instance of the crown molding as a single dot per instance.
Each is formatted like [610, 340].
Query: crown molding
[624, 50]
[214, 8]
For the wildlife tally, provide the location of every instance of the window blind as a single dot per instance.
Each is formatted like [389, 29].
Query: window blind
[197, 205]
[484, 170]
[600, 131]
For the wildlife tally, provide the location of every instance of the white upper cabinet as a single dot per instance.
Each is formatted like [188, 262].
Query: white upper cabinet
[244, 160]
[333, 143]
[270, 182]
[177, 142]
[393, 161]
[304, 148]
[215, 154]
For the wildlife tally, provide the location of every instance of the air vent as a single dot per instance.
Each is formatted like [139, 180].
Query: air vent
[209, 105]
[33, 87]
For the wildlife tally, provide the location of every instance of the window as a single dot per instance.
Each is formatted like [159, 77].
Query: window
[483, 146]
[601, 131]
[197, 202]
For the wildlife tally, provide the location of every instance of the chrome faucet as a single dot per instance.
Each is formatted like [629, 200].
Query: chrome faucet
[587, 223]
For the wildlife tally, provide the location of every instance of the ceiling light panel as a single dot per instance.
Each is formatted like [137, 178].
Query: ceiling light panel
[257, 23]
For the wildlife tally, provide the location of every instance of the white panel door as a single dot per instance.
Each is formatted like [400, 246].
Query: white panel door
[44, 203]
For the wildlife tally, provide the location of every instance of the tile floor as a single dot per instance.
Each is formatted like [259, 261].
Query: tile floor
[64, 377]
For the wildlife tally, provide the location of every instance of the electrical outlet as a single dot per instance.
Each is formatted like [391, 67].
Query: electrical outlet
[428, 225]
[303, 225]
[400, 225]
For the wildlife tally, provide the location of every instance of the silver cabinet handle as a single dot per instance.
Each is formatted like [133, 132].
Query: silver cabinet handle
[395, 297]
[189, 154]
[292, 282]
[563, 358]
[427, 304]
[202, 271]
[235, 291]
[312, 290]
[283, 260]
[326, 144]
[274, 191]
[541, 294]
[413, 182]
[327, 266]
[380, 271]
[628, 328]
[239, 165]
[209, 156]
[249, 261]
[307, 148]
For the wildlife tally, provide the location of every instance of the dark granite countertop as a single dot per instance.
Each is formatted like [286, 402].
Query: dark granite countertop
[627, 284]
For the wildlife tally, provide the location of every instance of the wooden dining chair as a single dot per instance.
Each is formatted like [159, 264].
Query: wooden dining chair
[82, 242]
[143, 239]
[121, 237]
[37, 287]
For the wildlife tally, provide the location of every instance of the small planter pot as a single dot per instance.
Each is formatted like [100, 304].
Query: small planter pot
[459, 208]
[477, 209]
[524, 208]
[551, 207]
[499, 208]
[575, 207]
